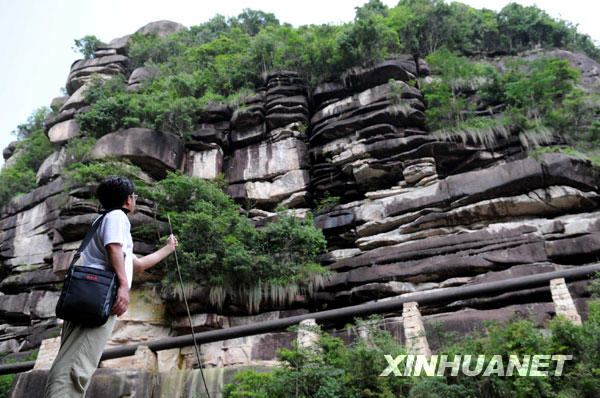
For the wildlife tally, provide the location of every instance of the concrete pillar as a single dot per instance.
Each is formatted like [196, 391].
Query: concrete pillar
[169, 360]
[48, 351]
[143, 358]
[307, 335]
[414, 331]
[563, 303]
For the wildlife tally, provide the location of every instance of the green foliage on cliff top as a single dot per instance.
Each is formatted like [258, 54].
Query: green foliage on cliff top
[539, 98]
[222, 57]
[221, 249]
[87, 45]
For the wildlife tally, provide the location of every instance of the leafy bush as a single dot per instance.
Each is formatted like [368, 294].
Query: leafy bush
[332, 369]
[77, 149]
[80, 174]
[539, 98]
[19, 175]
[448, 105]
[168, 104]
[34, 123]
[224, 57]
[222, 249]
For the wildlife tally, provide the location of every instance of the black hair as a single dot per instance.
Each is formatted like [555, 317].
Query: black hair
[113, 191]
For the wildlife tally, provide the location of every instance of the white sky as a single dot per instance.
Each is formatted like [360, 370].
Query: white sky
[37, 35]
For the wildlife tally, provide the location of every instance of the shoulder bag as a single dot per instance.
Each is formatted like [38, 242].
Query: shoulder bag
[88, 293]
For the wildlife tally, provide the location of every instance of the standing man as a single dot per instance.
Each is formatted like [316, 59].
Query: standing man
[111, 248]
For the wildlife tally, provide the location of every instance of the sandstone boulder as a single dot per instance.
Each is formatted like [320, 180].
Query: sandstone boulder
[153, 151]
[9, 150]
[215, 112]
[402, 69]
[369, 96]
[103, 52]
[63, 131]
[120, 44]
[160, 28]
[25, 281]
[58, 102]
[52, 166]
[83, 70]
[250, 116]
[418, 169]
[76, 100]
[137, 77]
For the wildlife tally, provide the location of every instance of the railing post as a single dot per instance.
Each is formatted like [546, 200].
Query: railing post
[563, 302]
[414, 331]
[48, 351]
[307, 335]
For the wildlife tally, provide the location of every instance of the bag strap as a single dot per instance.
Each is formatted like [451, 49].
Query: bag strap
[91, 233]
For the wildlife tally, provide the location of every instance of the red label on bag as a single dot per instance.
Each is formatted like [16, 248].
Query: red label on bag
[92, 277]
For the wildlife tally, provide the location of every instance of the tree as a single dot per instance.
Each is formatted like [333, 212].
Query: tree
[87, 46]
[34, 123]
[252, 21]
[423, 26]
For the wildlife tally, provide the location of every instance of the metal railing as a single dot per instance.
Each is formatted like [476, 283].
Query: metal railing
[381, 306]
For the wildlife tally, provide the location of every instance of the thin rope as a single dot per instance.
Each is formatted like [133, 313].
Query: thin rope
[188, 313]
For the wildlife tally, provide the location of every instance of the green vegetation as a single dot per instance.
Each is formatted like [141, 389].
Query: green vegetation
[447, 98]
[19, 175]
[333, 369]
[7, 380]
[80, 174]
[221, 248]
[425, 26]
[87, 45]
[217, 60]
[327, 203]
[539, 99]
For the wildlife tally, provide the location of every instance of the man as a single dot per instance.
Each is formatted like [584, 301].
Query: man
[111, 248]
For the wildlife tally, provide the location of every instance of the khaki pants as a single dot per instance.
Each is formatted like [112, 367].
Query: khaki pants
[80, 351]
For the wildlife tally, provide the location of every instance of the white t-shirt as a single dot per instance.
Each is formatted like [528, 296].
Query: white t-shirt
[115, 228]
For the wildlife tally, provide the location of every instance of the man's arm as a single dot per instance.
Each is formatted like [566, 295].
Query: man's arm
[117, 260]
[143, 263]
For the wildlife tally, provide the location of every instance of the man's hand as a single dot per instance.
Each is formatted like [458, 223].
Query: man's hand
[172, 243]
[121, 301]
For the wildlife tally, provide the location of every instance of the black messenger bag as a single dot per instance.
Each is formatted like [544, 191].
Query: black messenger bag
[88, 293]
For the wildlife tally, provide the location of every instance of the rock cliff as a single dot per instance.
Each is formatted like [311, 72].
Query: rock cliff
[403, 211]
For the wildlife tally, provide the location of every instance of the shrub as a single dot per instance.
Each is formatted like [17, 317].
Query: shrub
[334, 369]
[80, 174]
[227, 56]
[222, 249]
[19, 176]
[539, 99]
[34, 123]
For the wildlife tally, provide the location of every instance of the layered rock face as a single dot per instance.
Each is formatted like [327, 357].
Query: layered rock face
[403, 211]
[269, 163]
[360, 126]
